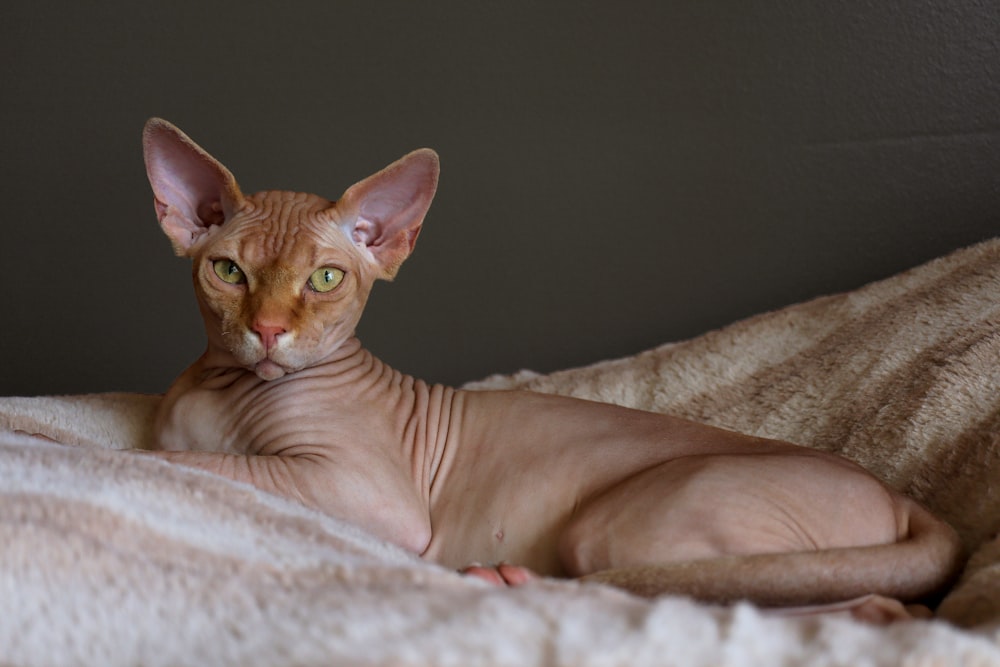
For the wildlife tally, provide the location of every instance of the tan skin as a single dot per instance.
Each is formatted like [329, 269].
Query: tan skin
[286, 399]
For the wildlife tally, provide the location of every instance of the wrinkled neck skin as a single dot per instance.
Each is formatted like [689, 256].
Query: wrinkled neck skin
[308, 408]
[384, 433]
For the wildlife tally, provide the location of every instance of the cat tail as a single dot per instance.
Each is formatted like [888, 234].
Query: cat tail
[919, 567]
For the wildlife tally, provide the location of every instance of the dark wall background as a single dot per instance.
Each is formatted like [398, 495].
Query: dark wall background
[615, 175]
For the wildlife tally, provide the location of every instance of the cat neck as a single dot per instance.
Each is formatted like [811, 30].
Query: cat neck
[354, 384]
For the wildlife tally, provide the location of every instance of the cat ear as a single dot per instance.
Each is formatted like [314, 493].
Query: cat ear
[192, 190]
[384, 212]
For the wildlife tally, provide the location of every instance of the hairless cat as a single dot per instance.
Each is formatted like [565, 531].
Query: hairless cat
[286, 398]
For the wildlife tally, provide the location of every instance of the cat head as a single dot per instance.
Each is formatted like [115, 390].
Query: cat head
[282, 277]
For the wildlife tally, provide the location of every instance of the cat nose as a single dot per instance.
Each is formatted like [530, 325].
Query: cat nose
[268, 333]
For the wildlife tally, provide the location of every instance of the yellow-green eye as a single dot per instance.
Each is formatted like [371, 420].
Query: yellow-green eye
[228, 270]
[325, 279]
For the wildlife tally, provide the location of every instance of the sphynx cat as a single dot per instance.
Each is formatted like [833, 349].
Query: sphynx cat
[285, 398]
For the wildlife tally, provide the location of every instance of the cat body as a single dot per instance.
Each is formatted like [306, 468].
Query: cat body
[286, 398]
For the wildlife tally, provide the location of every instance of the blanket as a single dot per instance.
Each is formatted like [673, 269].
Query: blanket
[108, 557]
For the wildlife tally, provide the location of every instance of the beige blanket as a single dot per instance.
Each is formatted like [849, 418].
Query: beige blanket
[111, 558]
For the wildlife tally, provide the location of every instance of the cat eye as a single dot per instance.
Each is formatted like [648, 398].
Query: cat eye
[229, 271]
[325, 279]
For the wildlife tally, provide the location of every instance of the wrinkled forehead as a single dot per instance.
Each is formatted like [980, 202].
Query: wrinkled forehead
[276, 224]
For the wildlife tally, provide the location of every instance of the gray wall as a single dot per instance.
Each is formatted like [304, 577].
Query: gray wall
[615, 175]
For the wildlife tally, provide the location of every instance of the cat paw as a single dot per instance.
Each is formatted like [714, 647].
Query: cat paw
[500, 575]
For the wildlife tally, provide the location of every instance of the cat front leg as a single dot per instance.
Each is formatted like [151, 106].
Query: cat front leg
[271, 474]
[316, 481]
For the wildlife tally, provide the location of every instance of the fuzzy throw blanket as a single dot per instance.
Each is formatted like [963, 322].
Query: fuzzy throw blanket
[111, 558]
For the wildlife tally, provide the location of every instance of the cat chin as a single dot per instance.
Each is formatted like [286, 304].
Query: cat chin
[268, 370]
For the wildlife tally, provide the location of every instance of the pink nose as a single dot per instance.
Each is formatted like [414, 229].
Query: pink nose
[268, 334]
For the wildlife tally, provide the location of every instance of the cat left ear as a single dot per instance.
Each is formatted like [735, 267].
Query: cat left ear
[385, 211]
[192, 190]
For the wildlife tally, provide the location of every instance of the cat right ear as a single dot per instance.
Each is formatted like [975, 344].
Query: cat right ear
[192, 190]
[383, 213]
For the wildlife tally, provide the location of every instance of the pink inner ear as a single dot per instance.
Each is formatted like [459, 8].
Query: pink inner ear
[192, 189]
[212, 213]
[386, 210]
[365, 232]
